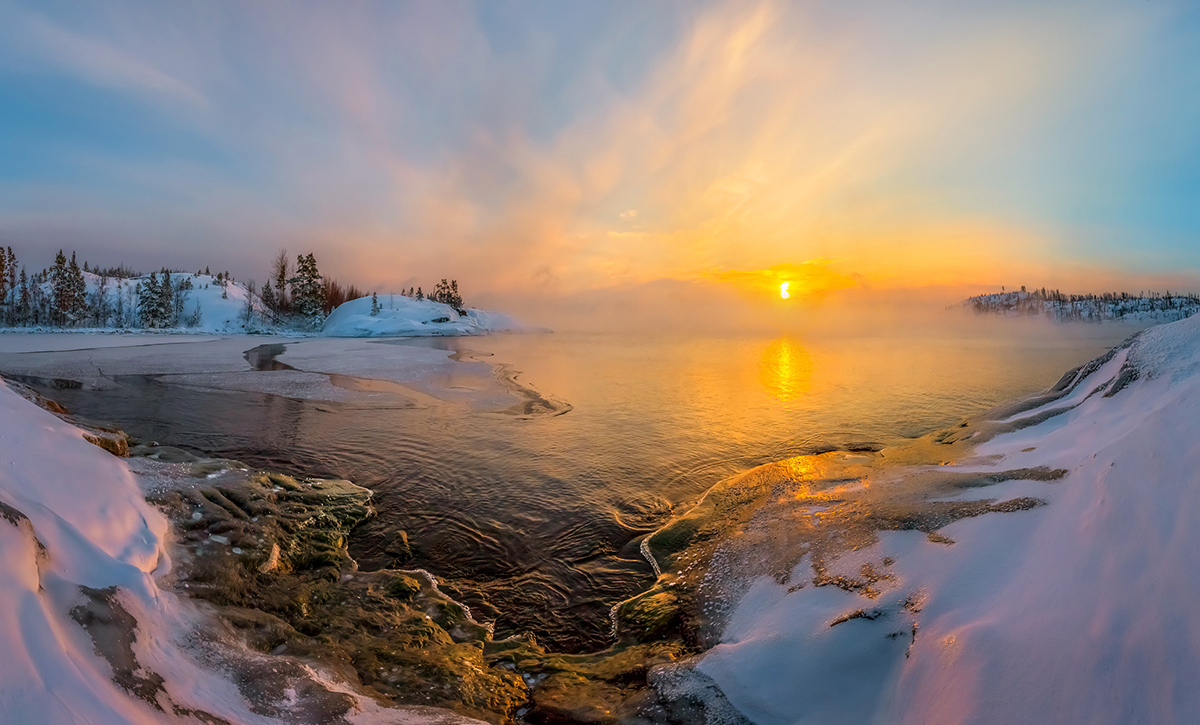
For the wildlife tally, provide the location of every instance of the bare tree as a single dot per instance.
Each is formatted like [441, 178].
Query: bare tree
[281, 271]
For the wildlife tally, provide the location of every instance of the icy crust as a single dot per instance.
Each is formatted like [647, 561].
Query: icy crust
[1031, 566]
[87, 634]
[401, 316]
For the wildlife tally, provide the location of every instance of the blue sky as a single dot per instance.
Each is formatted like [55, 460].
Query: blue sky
[590, 145]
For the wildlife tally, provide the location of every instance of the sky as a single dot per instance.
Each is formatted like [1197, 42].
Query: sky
[569, 150]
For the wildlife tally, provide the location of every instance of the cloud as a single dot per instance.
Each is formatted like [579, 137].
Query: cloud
[96, 60]
[743, 140]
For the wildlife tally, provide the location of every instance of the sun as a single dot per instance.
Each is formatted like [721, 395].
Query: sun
[783, 290]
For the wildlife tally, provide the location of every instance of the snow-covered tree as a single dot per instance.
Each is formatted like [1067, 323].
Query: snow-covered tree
[182, 289]
[268, 296]
[375, 305]
[101, 307]
[308, 295]
[60, 290]
[148, 299]
[78, 310]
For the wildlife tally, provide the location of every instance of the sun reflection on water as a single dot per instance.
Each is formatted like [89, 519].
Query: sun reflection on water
[785, 369]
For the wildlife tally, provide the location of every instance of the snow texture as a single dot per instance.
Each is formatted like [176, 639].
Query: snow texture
[401, 316]
[1082, 610]
[73, 516]
[1121, 307]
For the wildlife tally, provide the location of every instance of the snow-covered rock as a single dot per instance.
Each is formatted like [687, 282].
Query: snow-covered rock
[1079, 610]
[87, 636]
[401, 316]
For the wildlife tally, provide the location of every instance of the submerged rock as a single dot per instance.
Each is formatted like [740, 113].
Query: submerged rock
[269, 551]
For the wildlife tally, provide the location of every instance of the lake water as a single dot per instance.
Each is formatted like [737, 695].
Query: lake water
[535, 520]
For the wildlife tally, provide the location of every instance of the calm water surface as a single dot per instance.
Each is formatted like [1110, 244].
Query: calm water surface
[535, 522]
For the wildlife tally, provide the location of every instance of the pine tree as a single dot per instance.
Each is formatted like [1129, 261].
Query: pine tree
[268, 296]
[12, 281]
[148, 301]
[420, 294]
[164, 302]
[308, 294]
[374, 305]
[23, 301]
[60, 290]
[182, 288]
[78, 310]
[4, 302]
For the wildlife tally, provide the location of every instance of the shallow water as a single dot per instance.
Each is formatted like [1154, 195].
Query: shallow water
[534, 519]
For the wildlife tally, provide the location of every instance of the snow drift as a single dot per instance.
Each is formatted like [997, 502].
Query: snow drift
[87, 635]
[1079, 610]
[401, 316]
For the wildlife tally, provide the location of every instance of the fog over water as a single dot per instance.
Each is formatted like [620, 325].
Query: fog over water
[534, 519]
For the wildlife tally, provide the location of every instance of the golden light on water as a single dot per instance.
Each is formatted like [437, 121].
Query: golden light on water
[785, 369]
[783, 290]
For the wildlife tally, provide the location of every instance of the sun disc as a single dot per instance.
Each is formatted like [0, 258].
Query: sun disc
[783, 290]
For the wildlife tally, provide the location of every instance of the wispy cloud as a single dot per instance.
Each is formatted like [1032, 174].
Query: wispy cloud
[94, 59]
[570, 148]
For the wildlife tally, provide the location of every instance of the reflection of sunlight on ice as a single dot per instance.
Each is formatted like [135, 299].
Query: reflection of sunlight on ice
[785, 368]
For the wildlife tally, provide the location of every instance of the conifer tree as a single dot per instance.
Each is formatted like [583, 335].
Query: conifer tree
[374, 305]
[4, 302]
[268, 296]
[78, 311]
[60, 290]
[147, 302]
[23, 301]
[420, 294]
[182, 288]
[12, 278]
[165, 301]
[308, 294]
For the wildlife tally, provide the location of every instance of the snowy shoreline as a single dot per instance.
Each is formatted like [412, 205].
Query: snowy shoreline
[861, 586]
[1022, 567]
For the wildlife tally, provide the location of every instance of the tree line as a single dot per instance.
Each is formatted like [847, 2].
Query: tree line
[1093, 307]
[296, 295]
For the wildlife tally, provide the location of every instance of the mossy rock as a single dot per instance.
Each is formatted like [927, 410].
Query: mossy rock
[404, 587]
[652, 615]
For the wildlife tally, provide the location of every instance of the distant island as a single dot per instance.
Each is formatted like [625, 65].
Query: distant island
[1104, 307]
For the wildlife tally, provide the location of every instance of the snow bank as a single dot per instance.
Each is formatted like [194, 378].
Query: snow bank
[220, 309]
[402, 316]
[1081, 610]
[87, 636]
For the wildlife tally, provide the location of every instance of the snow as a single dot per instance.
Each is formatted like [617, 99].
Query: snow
[401, 316]
[73, 516]
[1081, 610]
[222, 310]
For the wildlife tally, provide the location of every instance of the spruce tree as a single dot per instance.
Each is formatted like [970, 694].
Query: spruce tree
[78, 311]
[23, 301]
[148, 301]
[308, 294]
[12, 278]
[374, 305]
[60, 290]
[4, 303]
[268, 296]
[165, 301]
